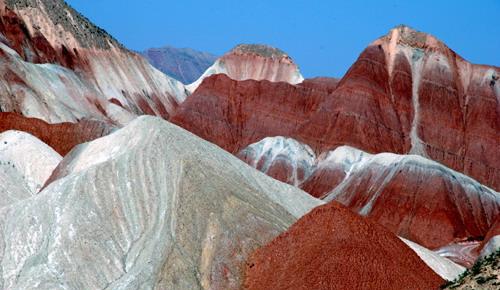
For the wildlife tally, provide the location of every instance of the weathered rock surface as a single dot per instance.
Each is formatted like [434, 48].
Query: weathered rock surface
[282, 158]
[254, 62]
[321, 83]
[417, 198]
[234, 114]
[62, 137]
[59, 67]
[333, 248]
[414, 197]
[464, 253]
[491, 242]
[148, 206]
[25, 164]
[183, 64]
[409, 93]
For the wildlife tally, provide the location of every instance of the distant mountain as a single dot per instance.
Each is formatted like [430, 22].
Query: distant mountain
[183, 64]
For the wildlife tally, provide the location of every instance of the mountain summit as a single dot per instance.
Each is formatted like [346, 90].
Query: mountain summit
[254, 62]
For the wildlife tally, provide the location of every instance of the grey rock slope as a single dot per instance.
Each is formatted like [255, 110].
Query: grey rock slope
[150, 206]
[184, 64]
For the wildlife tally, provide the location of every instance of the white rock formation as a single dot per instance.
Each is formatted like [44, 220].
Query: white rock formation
[271, 151]
[150, 206]
[25, 165]
[442, 266]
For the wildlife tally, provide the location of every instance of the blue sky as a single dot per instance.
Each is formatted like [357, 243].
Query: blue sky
[323, 37]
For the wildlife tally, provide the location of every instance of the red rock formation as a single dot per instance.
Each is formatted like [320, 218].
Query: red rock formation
[254, 62]
[234, 114]
[390, 188]
[416, 198]
[57, 66]
[409, 93]
[333, 248]
[321, 83]
[61, 137]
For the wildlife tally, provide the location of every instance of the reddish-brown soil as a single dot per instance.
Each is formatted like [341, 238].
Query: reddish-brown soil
[333, 248]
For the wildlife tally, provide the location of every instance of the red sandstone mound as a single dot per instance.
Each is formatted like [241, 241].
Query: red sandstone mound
[234, 114]
[333, 248]
[59, 67]
[254, 62]
[61, 137]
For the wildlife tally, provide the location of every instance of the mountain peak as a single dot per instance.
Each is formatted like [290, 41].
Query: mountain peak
[254, 62]
[408, 36]
[183, 64]
[259, 49]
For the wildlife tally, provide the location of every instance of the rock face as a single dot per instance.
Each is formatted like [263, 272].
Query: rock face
[183, 64]
[409, 93]
[282, 158]
[397, 190]
[254, 62]
[62, 137]
[333, 248]
[412, 196]
[464, 253]
[491, 242]
[321, 83]
[234, 114]
[59, 67]
[177, 213]
[25, 164]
